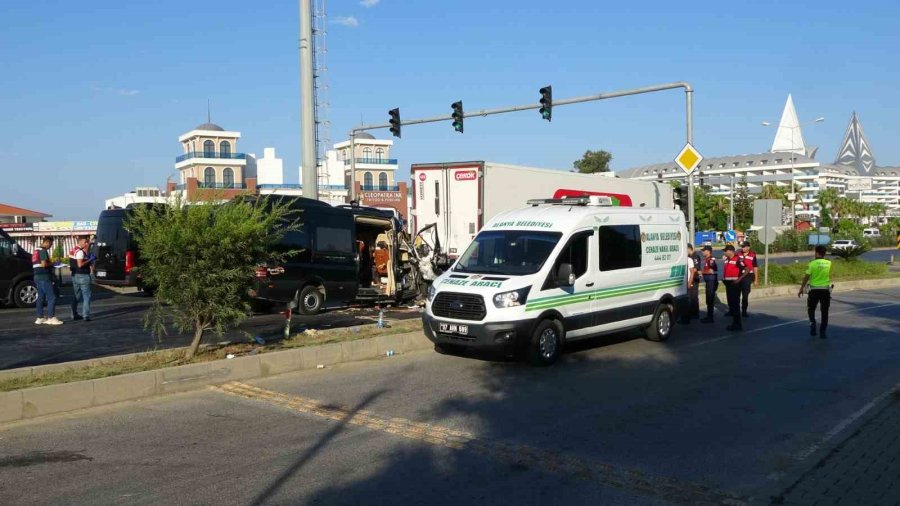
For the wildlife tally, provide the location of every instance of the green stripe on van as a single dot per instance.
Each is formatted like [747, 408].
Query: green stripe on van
[563, 300]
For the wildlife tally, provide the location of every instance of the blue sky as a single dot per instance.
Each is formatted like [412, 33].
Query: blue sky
[95, 94]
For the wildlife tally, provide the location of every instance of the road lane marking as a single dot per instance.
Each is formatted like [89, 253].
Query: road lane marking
[793, 322]
[636, 481]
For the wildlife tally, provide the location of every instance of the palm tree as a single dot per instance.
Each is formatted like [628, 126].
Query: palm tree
[827, 198]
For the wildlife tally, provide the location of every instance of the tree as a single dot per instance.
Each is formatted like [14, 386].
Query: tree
[593, 162]
[743, 206]
[201, 258]
[771, 191]
[827, 198]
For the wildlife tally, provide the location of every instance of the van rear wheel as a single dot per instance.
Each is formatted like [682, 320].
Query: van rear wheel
[311, 300]
[546, 343]
[25, 294]
[660, 327]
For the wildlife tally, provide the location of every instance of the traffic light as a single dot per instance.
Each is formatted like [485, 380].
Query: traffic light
[395, 122]
[458, 116]
[681, 198]
[547, 102]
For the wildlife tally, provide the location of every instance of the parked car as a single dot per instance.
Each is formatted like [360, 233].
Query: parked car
[872, 232]
[118, 255]
[16, 274]
[842, 244]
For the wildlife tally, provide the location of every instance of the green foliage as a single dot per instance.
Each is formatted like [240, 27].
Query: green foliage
[201, 259]
[792, 274]
[593, 162]
[743, 206]
[57, 255]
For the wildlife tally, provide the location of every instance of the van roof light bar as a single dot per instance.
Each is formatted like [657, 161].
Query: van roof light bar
[592, 200]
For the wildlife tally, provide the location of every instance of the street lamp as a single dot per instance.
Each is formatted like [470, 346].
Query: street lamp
[820, 119]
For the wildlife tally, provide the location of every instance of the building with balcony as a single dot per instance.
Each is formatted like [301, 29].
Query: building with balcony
[140, 195]
[211, 167]
[854, 173]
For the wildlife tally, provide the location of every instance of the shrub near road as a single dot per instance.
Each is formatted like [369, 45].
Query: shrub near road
[792, 274]
[202, 257]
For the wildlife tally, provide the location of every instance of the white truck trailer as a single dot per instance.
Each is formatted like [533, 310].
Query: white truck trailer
[460, 197]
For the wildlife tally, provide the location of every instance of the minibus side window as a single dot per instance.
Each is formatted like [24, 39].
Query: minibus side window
[575, 253]
[620, 247]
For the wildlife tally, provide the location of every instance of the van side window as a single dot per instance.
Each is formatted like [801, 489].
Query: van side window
[575, 253]
[333, 240]
[6, 247]
[620, 247]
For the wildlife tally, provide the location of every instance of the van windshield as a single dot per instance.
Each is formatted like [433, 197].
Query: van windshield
[511, 252]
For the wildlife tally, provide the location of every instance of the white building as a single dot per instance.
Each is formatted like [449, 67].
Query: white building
[854, 172]
[140, 195]
[269, 168]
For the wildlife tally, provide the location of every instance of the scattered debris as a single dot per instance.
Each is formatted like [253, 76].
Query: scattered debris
[320, 366]
[230, 355]
[389, 353]
[259, 340]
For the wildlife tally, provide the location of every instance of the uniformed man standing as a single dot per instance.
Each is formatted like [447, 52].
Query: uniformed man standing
[694, 264]
[734, 271]
[751, 279]
[818, 275]
[710, 273]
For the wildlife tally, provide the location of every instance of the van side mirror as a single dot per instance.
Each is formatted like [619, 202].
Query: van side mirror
[564, 275]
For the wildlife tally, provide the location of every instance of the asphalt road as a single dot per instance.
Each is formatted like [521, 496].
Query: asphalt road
[709, 417]
[117, 328]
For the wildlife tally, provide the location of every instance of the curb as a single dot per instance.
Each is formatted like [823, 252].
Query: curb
[36, 402]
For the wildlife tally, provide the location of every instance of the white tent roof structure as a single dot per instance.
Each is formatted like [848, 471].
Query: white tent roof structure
[789, 137]
[855, 150]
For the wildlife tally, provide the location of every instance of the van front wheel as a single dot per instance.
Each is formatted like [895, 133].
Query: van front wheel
[546, 343]
[660, 327]
[310, 300]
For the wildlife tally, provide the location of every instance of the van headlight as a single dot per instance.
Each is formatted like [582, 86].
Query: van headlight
[511, 299]
[430, 293]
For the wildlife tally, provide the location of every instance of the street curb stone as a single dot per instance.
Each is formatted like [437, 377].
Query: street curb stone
[37, 402]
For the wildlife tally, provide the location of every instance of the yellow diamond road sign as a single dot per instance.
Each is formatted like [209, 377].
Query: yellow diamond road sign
[688, 158]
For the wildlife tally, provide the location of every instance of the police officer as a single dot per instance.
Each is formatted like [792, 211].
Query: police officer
[751, 279]
[694, 264]
[734, 271]
[710, 273]
[818, 275]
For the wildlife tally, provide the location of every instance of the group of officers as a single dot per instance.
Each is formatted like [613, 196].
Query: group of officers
[739, 277]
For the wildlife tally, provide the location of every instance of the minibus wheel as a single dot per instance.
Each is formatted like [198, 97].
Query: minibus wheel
[546, 343]
[310, 300]
[661, 325]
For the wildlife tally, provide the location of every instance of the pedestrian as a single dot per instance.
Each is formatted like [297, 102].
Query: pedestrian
[43, 281]
[710, 273]
[751, 280]
[818, 275]
[80, 263]
[694, 263]
[734, 271]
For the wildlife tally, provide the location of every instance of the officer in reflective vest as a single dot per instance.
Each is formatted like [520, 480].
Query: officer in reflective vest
[710, 273]
[734, 271]
[751, 280]
[818, 275]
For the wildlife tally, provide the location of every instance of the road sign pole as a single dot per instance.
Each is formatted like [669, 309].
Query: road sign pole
[689, 96]
[766, 279]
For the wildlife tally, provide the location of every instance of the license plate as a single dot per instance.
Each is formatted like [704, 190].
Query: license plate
[452, 328]
[101, 274]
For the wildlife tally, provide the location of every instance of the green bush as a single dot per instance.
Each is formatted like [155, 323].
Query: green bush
[792, 274]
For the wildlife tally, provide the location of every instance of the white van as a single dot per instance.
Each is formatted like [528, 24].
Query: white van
[871, 232]
[558, 270]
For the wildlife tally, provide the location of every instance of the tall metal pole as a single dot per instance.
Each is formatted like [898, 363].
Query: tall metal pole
[352, 165]
[731, 205]
[688, 96]
[307, 105]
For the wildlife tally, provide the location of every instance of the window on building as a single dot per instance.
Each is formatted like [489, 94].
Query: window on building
[620, 247]
[209, 149]
[209, 176]
[228, 177]
[367, 180]
[576, 254]
[382, 181]
[367, 153]
[379, 154]
[225, 148]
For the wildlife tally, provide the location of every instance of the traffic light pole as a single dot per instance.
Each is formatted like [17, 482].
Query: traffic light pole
[688, 91]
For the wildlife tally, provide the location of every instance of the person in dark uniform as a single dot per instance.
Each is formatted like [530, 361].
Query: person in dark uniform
[734, 271]
[710, 273]
[751, 280]
[694, 265]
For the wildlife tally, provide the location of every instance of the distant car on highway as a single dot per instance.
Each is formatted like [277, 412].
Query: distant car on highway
[872, 232]
[16, 282]
[842, 244]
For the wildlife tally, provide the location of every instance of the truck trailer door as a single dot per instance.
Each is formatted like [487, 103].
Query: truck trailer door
[450, 196]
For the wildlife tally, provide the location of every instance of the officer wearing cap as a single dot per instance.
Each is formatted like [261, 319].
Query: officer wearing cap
[751, 280]
[734, 271]
[710, 273]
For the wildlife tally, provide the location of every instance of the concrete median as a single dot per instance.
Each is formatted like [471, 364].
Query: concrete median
[65, 397]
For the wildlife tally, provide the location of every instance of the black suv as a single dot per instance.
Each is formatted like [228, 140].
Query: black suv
[16, 274]
[117, 253]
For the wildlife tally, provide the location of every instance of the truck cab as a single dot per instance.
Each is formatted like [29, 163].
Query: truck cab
[559, 270]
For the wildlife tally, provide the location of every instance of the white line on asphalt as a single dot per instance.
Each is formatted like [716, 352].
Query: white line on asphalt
[770, 327]
[843, 424]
